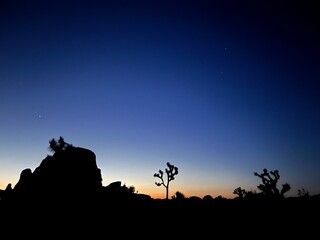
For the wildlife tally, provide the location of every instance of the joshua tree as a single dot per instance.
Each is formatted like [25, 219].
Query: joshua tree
[58, 145]
[303, 193]
[171, 171]
[269, 183]
[240, 192]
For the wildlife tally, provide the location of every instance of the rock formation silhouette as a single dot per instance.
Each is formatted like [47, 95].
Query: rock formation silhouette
[71, 173]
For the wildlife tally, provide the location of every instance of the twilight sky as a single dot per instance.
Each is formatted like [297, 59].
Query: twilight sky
[220, 89]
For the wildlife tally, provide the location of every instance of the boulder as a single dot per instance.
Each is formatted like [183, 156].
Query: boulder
[72, 172]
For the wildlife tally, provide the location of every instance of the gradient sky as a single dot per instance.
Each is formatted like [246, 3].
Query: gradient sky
[220, 89]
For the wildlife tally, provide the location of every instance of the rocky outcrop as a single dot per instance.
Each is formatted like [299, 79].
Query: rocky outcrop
[69, 173]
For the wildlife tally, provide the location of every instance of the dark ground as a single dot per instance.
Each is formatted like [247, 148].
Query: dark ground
[292, 217]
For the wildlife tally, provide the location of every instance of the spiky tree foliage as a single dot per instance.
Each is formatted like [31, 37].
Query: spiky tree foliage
[269, 183]
[171, 171]
[240, 192]
[303, 193]
[58, 145]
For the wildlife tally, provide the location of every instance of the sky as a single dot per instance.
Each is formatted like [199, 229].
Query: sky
[219, 89]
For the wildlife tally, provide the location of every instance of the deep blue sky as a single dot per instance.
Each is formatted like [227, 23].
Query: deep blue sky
[220, 89]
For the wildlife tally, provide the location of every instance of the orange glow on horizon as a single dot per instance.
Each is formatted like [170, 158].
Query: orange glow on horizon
[162, 194]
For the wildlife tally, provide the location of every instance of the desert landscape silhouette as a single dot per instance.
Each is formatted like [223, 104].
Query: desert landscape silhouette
[67, 187]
